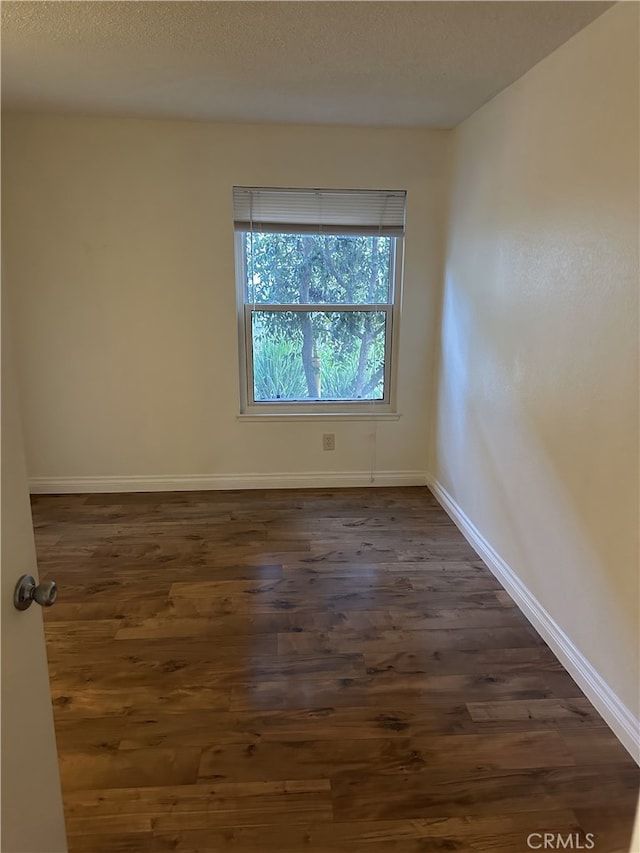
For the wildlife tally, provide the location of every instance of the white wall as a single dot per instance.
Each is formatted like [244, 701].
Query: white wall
[118, 244]
[536, 439]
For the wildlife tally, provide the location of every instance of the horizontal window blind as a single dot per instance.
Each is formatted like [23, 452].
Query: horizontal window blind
[377, 212]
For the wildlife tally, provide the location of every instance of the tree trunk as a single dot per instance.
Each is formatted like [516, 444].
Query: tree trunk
[363, 357]
[367, 333]
[311, 369]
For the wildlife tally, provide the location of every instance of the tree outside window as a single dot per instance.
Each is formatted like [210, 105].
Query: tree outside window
[317, 314]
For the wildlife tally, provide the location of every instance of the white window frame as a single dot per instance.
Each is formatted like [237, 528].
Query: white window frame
[249, 407]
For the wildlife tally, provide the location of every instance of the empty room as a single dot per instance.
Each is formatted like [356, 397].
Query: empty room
[320, 427]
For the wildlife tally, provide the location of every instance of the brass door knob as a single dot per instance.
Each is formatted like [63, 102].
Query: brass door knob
[27, 591]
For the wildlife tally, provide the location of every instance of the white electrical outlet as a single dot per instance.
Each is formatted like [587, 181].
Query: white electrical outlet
[329, 441]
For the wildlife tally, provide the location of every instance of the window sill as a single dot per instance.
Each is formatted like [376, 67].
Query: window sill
[318, 416]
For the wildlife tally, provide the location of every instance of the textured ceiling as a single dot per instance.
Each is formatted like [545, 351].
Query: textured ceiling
[420, 64]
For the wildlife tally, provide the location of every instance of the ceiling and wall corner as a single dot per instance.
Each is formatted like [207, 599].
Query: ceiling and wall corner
[397, 64]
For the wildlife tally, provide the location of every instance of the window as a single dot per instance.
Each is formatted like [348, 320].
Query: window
[318, 291]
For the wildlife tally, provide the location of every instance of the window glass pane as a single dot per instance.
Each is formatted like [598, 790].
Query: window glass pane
[318, 355]
[316, 268]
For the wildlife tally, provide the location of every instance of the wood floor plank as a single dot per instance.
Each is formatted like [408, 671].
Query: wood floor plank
[112, 826]
[464, 835]
[207, 805]
[332, 670]
[234, 666]
[537, 659]
[430, 640]
[130, 769]
[86, 700]
[600, 747]
[383, 686]
[549, 710]
[194, 622]
[259, 761]
[359, 795]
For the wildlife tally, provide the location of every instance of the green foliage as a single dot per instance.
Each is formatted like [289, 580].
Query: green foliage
[317, 268]
[277, 369]
[326, 353]
[337, 375]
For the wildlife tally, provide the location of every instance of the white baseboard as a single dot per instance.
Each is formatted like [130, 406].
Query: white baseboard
[205, 482]
[621, 720]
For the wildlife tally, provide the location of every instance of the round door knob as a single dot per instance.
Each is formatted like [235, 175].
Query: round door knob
[27, 591]
[45, 593]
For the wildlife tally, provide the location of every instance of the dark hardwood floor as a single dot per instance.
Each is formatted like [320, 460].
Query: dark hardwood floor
[325, 670]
